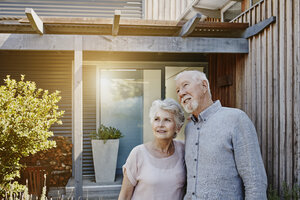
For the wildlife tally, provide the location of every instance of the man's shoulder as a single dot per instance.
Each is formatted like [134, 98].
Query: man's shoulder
[234, 115]
[231, 111]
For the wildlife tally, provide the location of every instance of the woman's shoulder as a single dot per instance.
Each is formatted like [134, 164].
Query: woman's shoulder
[179, 145]
[136, 155]
[138, 149]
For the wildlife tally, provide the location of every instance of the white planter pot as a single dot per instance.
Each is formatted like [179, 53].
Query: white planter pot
[105, 159]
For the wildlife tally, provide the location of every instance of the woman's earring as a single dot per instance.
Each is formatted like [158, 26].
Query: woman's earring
[175, 134]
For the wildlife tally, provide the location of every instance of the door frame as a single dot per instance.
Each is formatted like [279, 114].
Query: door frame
[143, 65]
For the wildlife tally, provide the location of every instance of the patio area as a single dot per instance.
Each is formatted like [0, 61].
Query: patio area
[91, 189]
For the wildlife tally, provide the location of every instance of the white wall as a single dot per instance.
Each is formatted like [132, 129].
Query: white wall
[165, 9]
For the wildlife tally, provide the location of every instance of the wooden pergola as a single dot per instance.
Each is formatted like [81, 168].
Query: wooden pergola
[118, 26]
[118, 35]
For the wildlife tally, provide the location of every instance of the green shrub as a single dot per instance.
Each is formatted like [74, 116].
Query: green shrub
[26, 115]
[287, 193]
[106, 133]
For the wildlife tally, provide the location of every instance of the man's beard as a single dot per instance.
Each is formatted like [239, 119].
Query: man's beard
[191, 106]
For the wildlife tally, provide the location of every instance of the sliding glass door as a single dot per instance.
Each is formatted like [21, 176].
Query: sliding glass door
[125, 98]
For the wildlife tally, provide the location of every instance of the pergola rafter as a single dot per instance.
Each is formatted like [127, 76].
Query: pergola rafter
[118, 26]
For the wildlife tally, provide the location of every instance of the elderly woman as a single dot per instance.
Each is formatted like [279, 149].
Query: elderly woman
[156, 170]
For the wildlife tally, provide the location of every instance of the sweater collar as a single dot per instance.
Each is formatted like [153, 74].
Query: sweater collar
[205, 114]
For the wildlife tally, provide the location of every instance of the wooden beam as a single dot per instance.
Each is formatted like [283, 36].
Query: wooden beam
[165, 44]
[257, 28]
[102, 21]
[208, 12]
[35, 21]
[190, 25]
[125, 43]
[130, 22]
[116, 23]
[77, 116]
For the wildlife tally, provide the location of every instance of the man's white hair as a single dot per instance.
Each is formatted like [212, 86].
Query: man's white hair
[196, 75]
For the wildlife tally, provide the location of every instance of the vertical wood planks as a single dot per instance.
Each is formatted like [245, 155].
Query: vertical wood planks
[282, 96]
[258, 75]
[289, 91]
[296, 79]
[253, 71]
[167, 10]
[155, 9]
[269, 98]
[263, 119]
[270, 94]
[161, 9]
[178, 8]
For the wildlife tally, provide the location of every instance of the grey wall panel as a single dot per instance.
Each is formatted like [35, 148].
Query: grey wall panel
[89, 117]
[50, 70]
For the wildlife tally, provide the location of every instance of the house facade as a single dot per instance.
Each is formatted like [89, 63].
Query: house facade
[110, 71]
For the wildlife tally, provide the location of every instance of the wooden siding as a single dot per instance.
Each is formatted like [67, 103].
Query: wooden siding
[73, 8]
[50, 70]
[89, 117]
[267, 87]
[165, 9]
[221, 77]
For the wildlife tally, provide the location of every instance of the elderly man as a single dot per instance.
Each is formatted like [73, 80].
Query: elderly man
[222, 153]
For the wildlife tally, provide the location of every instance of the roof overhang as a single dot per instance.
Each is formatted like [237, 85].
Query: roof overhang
[123, 35]
[123, 43]
[138, 27]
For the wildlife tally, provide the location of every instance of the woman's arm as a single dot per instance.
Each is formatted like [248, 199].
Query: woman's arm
[126, 189]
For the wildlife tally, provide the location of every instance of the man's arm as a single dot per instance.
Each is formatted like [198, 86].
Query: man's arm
[248, 159]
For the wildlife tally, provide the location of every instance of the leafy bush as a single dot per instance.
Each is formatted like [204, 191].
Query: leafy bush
[58, 161]
[26, 115]
[106, 133]
[13, 192]
[287, 193]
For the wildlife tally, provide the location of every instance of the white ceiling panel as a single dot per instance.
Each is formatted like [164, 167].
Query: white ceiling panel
[212, 4]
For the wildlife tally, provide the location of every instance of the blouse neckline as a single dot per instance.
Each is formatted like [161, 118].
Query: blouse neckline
[164, 158]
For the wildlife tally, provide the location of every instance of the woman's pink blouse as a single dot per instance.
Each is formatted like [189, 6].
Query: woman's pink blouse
[156, 178]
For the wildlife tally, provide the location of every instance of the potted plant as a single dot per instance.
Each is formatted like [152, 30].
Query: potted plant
[105, 145]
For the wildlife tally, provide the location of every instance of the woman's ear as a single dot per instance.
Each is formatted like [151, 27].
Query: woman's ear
[175, 135]
[178, 129]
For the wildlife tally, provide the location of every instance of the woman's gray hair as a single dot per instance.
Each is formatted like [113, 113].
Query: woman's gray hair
[171, 106]
[197, 76]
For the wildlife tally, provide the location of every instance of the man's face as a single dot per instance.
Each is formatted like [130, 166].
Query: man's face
[189, 92]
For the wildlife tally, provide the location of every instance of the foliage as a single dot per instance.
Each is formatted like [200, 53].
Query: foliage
[12, 189]
[272, 194]
[287, 193]
[106, 133]
[26, 115]
[12, 194]
[58, 161]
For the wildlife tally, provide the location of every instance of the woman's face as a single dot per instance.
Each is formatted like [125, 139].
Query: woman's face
[163, 126]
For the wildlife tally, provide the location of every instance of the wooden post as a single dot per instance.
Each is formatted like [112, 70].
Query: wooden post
[116, 22]
[77, 118]
[36, 23]
[190, 25]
